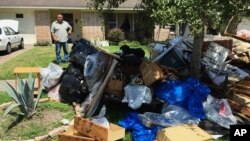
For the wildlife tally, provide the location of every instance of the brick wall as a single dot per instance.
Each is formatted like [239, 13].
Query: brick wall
[92, 26]
[42, 26]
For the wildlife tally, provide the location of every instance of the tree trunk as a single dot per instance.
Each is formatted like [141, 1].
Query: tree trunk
[231, 27]
[196, 55]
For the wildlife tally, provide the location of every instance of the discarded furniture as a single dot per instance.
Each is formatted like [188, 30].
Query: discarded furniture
[22, 70]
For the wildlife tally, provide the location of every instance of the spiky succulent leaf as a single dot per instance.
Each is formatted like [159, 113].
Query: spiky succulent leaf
[31, 82]
[39, 95]
[11, 91]
[10, 108]
[20, 86]
[28, 96]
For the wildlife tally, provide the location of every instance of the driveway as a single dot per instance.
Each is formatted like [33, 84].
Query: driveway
[15, 52]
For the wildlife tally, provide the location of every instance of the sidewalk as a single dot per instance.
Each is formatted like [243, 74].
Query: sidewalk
[6, 57]
[11, 82]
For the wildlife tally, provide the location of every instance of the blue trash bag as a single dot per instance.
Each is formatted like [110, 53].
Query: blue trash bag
[139, 131]
[188, 94]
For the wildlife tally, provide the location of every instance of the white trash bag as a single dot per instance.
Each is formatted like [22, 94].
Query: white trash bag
[51, 74]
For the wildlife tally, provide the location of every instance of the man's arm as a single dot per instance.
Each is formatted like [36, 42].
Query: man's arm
[70, 29]
[54, 37]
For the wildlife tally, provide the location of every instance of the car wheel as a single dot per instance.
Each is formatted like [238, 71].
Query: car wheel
[21, 46]
[8, 49]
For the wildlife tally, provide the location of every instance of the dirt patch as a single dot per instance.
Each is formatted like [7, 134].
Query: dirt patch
[48, 116]
[43, 121]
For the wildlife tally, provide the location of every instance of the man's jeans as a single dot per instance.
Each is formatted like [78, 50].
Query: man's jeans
[65, 50]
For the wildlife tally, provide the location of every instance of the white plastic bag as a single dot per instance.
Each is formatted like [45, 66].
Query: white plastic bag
[51, 74]
[53, 94]
[135, 95]
[219, 111]
[101, 119]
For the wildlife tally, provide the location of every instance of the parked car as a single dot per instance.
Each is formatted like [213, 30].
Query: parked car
[9, 36]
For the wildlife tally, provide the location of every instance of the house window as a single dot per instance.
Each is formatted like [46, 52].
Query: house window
[19, 15]
[112, 21]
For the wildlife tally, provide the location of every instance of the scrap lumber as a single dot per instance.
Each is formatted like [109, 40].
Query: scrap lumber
[242, 109]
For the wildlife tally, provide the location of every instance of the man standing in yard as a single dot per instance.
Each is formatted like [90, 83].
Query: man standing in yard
[60, 30]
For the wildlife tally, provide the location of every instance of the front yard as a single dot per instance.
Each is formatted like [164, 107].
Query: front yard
[49, 114]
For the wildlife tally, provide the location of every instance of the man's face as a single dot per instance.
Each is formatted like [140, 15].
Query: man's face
[59, 18]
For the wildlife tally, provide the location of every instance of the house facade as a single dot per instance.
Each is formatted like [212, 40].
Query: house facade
[35, 18]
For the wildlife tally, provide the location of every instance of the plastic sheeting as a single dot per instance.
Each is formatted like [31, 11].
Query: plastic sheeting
[80, 51]
[139, 131]
[135, 95]
[188, 94]
[171, 115]
[95, 67]
[219, 111]
[179, 115]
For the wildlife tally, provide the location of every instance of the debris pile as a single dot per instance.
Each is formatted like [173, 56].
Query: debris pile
[128, 77]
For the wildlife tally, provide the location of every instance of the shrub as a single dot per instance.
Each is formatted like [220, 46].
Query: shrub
[116, 35]
[42, 43]
[129, 43]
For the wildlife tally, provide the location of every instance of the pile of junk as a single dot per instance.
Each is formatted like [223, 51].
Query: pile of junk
[210, 105]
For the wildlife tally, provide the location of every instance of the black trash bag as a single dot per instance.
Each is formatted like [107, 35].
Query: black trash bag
[71, 89]
[132, 60]
[80, 50]
[95, 67]
[126, 50]
[75, 70]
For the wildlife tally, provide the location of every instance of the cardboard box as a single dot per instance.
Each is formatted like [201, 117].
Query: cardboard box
[151, 72]
[98, 132]
[223, 41]
[185, 132]
[115, 87]
[73, 135]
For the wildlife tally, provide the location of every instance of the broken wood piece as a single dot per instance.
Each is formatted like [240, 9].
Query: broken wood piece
[242, 91]
[72, 135]
[42, 138]
[236, 106]
[97, 97]
[57, 131]
[241, 99]
[241, 116]
[98, 132]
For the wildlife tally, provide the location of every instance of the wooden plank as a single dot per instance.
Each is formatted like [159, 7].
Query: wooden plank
[27, 70]
[236, 106]
[240, 86]
[242, 91]
[90, 129]
[241, 116]
[98, 132]
[72, 135]
[242, 100]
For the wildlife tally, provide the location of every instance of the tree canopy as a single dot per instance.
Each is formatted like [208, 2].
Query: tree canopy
[196, 13]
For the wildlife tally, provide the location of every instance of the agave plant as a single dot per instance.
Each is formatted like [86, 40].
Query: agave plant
[23, 96]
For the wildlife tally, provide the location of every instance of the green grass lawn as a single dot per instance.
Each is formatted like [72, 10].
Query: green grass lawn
[4, 98]
[41, 57]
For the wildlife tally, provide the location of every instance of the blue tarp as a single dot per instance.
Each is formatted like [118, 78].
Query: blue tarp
[189, 94]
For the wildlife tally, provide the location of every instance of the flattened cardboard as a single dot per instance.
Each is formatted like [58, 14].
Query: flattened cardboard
[185, 132]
